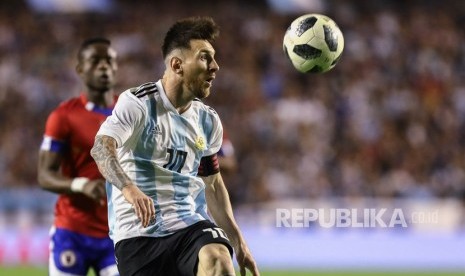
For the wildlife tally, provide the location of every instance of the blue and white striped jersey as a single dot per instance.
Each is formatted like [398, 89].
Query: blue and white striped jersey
[160, 150]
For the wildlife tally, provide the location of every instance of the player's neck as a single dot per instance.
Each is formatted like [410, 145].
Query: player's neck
[174, 93]
[101, 99]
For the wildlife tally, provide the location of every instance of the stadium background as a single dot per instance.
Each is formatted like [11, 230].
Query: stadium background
[384, 129]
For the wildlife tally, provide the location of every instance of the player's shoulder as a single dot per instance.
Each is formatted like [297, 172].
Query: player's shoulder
[70, 104]
[143, 90]
[199, 105]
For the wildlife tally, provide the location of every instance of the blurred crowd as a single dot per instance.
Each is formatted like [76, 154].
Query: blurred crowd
[387, 121]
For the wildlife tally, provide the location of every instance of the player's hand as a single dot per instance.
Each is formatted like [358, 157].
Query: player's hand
[95, 189]
[245, 260]
[143, 205]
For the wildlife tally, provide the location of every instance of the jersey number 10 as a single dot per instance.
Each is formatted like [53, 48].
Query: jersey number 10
[176, 161]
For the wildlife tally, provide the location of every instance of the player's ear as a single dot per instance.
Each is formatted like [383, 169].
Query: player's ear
[176, 65]
[79, 68]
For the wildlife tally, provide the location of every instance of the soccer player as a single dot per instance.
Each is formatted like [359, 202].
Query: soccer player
[158, 151]
[79, 236]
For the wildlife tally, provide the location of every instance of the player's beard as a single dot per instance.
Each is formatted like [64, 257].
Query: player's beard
[200, 90]
[203, 93]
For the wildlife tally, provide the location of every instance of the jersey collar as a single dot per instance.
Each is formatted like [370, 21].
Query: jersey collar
[90, 106]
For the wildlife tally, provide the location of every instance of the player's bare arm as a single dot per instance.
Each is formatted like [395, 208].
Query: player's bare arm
[104, 154]
[51, 179]
[220, 208]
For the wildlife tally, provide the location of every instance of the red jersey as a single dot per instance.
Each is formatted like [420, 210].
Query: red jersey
[71, 130]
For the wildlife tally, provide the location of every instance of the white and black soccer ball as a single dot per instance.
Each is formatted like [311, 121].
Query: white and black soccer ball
[313, 43]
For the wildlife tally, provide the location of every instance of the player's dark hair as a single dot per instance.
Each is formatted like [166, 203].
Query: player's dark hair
[184, 30]
[90, 41]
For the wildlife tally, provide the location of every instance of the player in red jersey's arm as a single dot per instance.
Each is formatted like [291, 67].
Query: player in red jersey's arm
[79, 236]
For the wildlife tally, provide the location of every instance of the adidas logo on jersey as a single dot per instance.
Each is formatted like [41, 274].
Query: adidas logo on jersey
[156, 130]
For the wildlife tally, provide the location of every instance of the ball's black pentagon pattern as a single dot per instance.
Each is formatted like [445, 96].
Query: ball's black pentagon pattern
[330, 38]
[306, 51]
[305, 25]
[315, 69]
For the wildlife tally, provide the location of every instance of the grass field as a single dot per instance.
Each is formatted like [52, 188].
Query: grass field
[33, 271]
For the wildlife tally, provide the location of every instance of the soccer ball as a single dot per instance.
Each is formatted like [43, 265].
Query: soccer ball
[313, 43]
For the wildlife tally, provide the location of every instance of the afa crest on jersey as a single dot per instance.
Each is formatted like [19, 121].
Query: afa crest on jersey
[200, 143]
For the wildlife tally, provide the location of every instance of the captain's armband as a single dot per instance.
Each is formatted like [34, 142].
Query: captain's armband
[209, 165]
